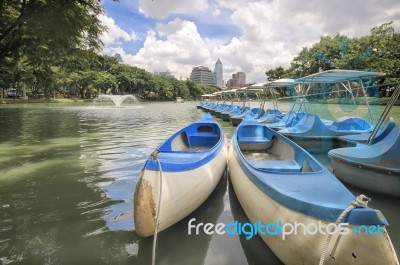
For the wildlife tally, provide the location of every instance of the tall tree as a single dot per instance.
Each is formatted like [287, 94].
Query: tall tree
[54, 26]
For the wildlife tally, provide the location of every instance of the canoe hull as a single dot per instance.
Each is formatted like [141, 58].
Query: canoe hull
[300, 248]
[380, 181]
[225, 116]
[236, 120]
[182, 192]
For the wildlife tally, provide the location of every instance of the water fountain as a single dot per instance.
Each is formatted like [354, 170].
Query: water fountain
[116, 99]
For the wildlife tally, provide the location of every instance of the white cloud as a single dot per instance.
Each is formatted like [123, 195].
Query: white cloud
[271, 32]
[161, 8]
[180, 50]
[114, 33]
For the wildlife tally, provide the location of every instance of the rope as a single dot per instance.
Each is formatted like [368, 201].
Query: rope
[360, 202]
[154, 155]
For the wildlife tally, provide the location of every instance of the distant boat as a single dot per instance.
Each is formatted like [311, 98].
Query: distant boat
[184, 170]
[254, 112]
[276, 181]
[179, 100]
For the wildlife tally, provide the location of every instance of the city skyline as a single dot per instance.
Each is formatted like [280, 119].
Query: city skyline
[203, 75]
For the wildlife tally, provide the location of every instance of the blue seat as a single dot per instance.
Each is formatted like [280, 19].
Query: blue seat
[254, 140]
[276, 165]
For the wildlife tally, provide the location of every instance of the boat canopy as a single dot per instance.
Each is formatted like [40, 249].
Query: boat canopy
[338, 75]
[258, 86]
[284, 82]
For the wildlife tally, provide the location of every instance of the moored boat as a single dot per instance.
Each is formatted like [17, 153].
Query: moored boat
[374, 167]
[278, 182]
[179, 176]
[318, 135]
[314, 135]
[254, 112]
[353, 139]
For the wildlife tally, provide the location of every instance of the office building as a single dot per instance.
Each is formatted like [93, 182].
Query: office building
[202, 75]
[218, 74]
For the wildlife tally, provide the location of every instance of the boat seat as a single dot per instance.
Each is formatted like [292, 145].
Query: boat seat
[254, 140]
[203, 139]
[254, 143]
[276, 165]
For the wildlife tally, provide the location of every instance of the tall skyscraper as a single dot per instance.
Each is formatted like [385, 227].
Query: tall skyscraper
[218, 74]
[202, 75]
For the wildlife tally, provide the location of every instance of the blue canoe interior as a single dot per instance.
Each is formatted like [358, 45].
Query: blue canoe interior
[291, 176]
[190, 147]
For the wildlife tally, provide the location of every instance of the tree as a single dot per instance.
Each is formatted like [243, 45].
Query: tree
[52, 25]
[378, 51]
[276, 73]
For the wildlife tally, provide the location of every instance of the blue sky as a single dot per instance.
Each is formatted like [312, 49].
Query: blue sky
[246, 35]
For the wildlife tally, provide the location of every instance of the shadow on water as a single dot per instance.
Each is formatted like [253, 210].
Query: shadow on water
[256, 251]
[175, 245]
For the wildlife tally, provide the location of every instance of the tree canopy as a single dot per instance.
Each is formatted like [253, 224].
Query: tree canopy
[52, 46]
[379, 51]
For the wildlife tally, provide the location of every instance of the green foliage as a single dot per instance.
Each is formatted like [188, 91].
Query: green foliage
[275, 74]
[49, 46]
[379, 51]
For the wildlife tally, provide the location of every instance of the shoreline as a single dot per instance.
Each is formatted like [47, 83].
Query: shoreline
[371, 101]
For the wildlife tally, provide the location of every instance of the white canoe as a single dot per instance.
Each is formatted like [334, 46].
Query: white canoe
[192, 163]
[277, 181]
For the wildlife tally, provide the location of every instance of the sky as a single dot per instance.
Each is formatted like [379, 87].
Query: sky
[251, 36]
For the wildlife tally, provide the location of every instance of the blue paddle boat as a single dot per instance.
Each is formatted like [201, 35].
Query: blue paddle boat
[314, 135]
[374, 167]
[254, 112]
[278, 183]
[179, 176]
[353, 139]
[320, 136]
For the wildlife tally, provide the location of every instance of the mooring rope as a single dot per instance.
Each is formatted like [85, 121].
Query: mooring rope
[154, 155]
[360, 202]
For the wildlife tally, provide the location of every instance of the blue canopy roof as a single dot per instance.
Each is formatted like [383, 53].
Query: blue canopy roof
[337, 75]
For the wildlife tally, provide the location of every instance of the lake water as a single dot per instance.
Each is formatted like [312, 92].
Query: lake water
[67, 176]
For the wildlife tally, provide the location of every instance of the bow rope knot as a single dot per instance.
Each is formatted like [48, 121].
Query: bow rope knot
[361, 201]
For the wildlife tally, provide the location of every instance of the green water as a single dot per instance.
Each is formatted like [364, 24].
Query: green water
[67, 175]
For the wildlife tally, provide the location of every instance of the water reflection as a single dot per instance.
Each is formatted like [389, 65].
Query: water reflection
[256, 251]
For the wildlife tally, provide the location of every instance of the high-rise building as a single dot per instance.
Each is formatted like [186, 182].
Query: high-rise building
[202, 75]
[238, 80]
[218, 74]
